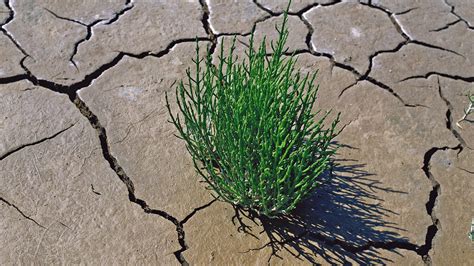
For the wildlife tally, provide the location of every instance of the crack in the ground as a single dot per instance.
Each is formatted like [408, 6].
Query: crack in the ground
[11, 16]
[196, 210]
[447, 26]
[89, 78]
[431, 73]
[93, 119]
[94, 191]
[119, 171]
[71, 91]
[64, 18]
[276, 245]
[360, 77]
[449, 117]
[433, 229]
[399, 28]
[128, 6]
[16, 149]
[108, 21]
[369, 245]
[465, 170]
[436, 190]
[21, 212]
[403, 12]
[421, 250]
[452, 11]
[260, 6]
[11, 13]
[205, 20]
[295, 13]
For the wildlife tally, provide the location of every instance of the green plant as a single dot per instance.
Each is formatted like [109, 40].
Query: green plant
[469, 110]
[250, 129]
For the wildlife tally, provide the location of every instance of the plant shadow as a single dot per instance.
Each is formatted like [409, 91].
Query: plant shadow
[341, 222]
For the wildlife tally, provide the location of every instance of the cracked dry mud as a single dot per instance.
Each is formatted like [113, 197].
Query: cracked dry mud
[91, 172]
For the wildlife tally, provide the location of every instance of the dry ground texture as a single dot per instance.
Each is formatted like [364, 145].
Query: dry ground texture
[90, 171]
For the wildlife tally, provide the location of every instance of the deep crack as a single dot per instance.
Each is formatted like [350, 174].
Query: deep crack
[433, 229]
[122, 175]
[89, 78]
[206, 14]
[128, 6]
[71, 91]
[113, 163]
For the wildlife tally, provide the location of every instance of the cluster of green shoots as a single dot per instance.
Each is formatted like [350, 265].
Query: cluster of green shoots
[250, 129]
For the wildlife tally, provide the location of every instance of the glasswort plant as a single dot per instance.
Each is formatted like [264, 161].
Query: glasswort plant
[250, 129]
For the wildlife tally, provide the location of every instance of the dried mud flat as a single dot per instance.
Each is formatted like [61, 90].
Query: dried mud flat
[91, 172]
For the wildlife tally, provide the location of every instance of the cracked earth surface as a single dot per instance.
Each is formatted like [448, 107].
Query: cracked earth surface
[91, 172]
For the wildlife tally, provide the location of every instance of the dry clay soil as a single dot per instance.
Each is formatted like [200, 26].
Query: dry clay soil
[91, 173]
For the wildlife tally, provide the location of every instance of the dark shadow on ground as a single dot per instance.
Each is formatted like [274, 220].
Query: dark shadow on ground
[341, 221]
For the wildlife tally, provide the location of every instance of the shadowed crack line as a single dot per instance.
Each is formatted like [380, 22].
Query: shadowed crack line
[369, 245]
[277, 245]
[21, 212]
[389, 245]
[433, 229]
[12, 151]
